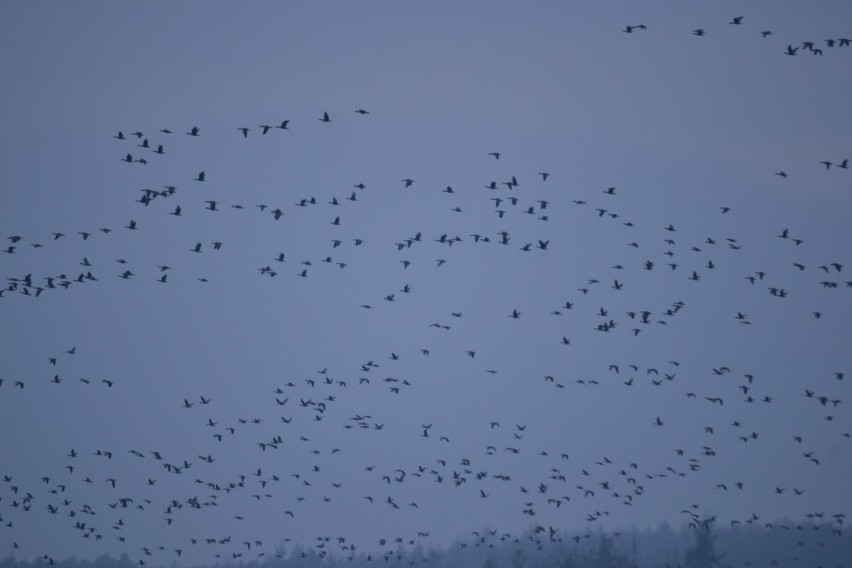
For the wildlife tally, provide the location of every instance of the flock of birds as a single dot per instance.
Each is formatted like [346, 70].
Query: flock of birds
[809, 45]
[297, 442]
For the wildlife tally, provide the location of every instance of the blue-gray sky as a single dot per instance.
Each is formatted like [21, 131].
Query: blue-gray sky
[680, 125]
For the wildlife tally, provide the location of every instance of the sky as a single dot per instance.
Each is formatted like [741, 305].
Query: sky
[656, 329]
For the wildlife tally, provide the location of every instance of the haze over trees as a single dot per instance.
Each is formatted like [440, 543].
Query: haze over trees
[697, 545]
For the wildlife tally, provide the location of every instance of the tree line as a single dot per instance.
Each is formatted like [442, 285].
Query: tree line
[699, 544]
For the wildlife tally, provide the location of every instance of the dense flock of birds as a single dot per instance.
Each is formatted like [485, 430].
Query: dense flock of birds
[298, 474]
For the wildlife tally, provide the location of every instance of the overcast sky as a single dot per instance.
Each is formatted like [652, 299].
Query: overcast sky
[680, 277]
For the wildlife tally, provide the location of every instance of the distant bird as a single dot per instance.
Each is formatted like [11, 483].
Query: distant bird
[200, 176]
[194, 131]
[325, 118]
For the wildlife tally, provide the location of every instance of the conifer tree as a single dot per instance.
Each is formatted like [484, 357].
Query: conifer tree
[702, 554]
